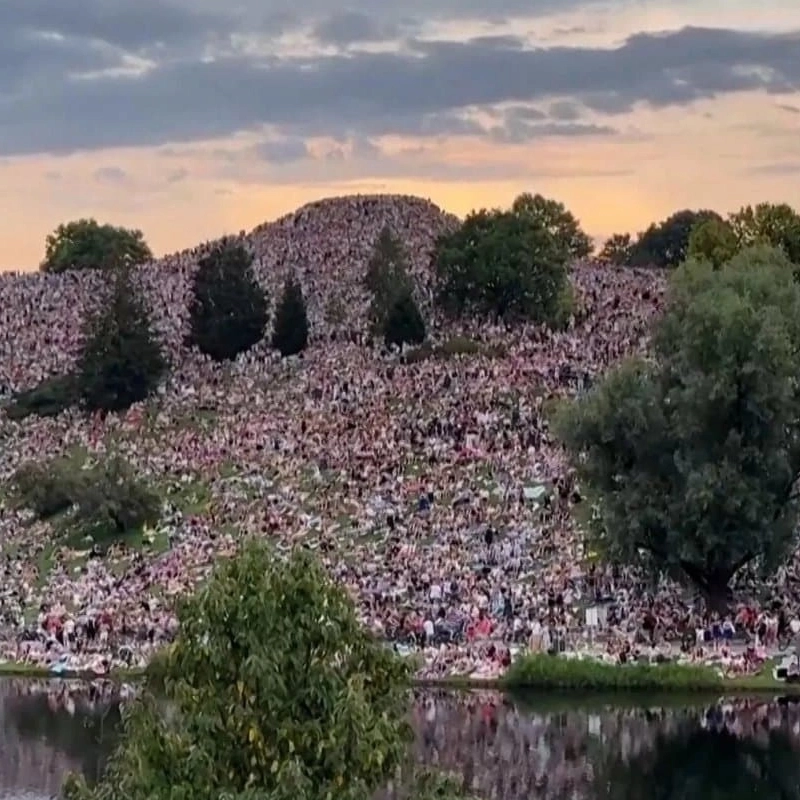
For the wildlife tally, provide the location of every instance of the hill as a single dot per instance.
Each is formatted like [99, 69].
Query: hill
[394, 472]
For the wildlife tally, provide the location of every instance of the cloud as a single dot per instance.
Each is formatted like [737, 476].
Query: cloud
[426, 87]
[112, 175]
[283, 151]
[789, 108]
[349, 27]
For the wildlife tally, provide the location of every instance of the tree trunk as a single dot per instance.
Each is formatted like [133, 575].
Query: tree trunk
[718, 596]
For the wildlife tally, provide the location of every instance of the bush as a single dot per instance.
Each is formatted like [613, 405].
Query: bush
[111, 502]
[228, 313]
[49, 399]
[46, 489]
[541, 671]
[121, 362]
[103, 502]
[290, 334]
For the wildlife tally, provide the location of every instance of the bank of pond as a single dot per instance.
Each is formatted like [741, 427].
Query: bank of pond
[543, 672]
[610, 745]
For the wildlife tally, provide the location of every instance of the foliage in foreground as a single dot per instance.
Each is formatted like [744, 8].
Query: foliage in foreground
[290, 331]
[542, 671]
[121, 362]
[276, 690]
[86, 244]
[228, 312]
[103, 502]
[694, 456]
[503, 265]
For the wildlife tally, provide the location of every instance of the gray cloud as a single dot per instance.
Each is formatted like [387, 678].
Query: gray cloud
[128, 25]
[790, 108]
[349, 27]
[283, 151]
[425, 90]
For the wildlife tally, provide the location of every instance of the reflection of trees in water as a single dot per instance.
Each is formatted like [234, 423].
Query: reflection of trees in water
[86, 737]
[697, 764]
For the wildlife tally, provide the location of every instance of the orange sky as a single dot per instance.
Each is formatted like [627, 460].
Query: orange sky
[720, 153]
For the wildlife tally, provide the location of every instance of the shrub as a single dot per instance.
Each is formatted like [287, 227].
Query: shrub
[49, 399]
[111, 502]
[46, 489]
[541, 671]
[102, 502]
[228, 313]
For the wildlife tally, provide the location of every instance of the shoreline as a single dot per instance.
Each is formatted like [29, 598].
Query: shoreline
[761, 683]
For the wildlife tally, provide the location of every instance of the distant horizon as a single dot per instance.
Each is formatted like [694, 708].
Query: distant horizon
[189, 120]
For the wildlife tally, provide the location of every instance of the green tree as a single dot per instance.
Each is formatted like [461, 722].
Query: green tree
[404, 323]
[713, 240]
[121, 361]
[557, 220]
[290, 333]
[693, 456]
[86, 244]
[501, 264]
[777, 225]
[228, 312]
[275, 691]
[388, 256]
[616, 251]
[666, 244]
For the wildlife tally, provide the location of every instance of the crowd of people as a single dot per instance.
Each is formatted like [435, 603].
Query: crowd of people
[434, 490]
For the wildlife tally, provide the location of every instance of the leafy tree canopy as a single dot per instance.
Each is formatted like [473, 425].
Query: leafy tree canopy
[666, 244]
[694, 455]
[290, 333]
[713, 240]
[503, 264]
[557, 220]
[121, 362]
[86, 244]
[766, 223]
[276, 691]
[228, 312]
[617, 250]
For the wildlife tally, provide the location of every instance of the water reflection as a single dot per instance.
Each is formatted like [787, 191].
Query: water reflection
[526, 747]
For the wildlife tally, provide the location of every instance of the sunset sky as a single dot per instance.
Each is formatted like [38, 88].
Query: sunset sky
[192, 118]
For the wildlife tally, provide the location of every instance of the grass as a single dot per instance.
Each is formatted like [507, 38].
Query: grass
[538, 671]
[450, 348]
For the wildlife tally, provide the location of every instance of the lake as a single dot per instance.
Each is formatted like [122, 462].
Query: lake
[527, 746]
